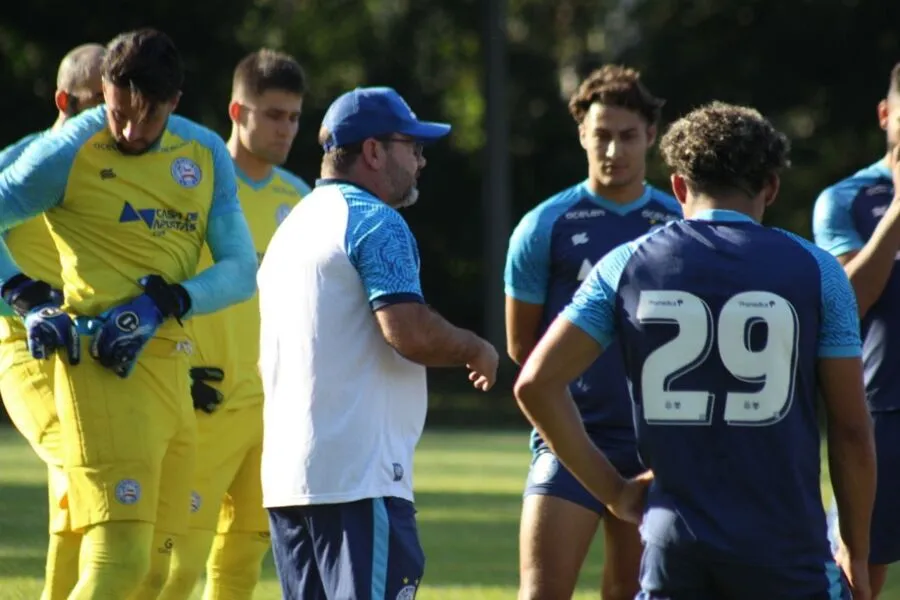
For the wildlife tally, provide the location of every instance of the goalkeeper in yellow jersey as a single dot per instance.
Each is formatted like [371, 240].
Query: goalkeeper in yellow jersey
[26, 383]
[229, 529]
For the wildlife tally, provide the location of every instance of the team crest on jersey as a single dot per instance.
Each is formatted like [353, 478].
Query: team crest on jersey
[544, 468]
[281, 213]
[186, 172]
[407, 593]
[128, 491]
[196, 501]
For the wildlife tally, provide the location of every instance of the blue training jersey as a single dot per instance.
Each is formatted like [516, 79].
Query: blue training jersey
[550, 253]
[722, 322]
[844, 218]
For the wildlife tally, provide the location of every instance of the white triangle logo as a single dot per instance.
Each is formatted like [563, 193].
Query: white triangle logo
[585, 270]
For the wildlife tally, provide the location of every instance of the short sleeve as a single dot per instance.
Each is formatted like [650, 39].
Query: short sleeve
[839, 328]
[527, 271]
[593, 306]
[833, 227]
[384, 252]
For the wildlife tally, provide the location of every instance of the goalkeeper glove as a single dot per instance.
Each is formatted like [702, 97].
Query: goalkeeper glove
[125, 330]
[206, 397]
[48, 327]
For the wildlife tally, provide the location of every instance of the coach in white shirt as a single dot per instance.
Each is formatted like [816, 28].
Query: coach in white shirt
[346, 337]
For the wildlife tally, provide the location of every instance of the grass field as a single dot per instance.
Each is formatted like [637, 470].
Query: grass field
[468, 495]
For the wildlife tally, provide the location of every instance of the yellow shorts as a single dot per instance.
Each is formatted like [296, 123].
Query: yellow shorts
[26, 385]
[130, 444]
[228, 471]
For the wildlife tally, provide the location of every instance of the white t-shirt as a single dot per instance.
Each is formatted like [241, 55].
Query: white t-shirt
[343, 410]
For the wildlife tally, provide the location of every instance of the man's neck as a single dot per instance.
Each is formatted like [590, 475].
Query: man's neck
[60, 121]
[625, 194]
[743, 205]
[253, 167]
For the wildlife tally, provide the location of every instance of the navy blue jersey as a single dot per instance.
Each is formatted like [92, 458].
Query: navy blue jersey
[844, 218]
[552, 250]
[722, 322]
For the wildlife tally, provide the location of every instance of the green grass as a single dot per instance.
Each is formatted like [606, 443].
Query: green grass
[468, 494]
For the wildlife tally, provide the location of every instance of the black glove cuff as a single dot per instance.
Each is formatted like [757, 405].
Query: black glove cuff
[172, 300]
[23, 293]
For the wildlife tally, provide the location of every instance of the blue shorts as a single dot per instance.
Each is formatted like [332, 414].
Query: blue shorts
[366, 550]
[670, 574]
[885, 532]
[548, 477]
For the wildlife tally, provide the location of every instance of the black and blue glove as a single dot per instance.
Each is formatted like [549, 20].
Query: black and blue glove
[48, 327]
[206, 397]
[125, 330]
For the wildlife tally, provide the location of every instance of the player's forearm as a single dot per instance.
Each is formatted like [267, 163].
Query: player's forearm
[438, 343]
[232, 278]
[870, 269]
[851, 460]
[553, 413]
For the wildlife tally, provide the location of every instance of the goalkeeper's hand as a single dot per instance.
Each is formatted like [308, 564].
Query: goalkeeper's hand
[48, 327]
[206, 397]
[125, 330]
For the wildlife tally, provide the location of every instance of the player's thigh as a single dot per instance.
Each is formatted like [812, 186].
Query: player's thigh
[222, 445]
[116, 432]
[559, 520]
[622, 550]
[26, 386]
[242, 509]
[885, 530]
[820, 580]
[368, 549]
[177, 498]
[674, 574]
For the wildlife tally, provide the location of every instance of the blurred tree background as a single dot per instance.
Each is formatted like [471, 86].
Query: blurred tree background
[817, 68]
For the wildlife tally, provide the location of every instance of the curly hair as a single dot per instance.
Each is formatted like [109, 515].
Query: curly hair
[615, 85]
[720, 146]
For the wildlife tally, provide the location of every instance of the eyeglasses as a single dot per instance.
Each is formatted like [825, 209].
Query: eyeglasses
[418, 147]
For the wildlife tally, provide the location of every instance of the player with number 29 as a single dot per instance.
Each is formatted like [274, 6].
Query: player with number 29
[729, 330]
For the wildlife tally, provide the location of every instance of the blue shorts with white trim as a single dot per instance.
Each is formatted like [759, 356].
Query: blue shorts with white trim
[366, 550]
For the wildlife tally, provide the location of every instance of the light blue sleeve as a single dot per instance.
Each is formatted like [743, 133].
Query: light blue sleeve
[383, 251]
[232, 277]
[9, 154]
[839, 328]
[833, 227]
[527, 272]
[36, 181]
[593, 306]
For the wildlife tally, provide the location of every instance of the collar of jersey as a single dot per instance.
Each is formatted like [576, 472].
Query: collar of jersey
[621, 209]
[252, 183]
[335, 181]
[719, 214]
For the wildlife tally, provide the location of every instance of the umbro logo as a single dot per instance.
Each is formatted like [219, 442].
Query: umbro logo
[107, 174]
[579, 239]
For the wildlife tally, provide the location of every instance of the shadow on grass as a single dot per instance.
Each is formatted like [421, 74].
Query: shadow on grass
[23, 529]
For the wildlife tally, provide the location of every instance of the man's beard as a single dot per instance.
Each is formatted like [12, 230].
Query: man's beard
[409, 198]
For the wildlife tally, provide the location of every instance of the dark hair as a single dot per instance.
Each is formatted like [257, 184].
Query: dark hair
[894, 87]
[269, 70]
[615, 85]
[147, 62]
[721, 146]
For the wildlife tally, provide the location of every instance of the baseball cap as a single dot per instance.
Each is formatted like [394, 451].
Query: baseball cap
[367, 112]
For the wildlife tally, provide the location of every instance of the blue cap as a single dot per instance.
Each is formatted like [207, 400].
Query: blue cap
[373, 112]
